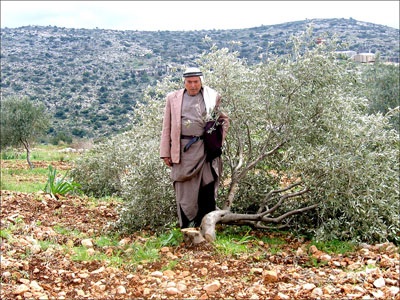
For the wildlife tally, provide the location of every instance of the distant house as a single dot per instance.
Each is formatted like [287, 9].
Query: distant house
[364, 57]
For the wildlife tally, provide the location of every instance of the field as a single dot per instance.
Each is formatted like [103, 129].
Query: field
[63, 249]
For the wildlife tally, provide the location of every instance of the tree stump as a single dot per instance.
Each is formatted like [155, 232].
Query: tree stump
[192, 236]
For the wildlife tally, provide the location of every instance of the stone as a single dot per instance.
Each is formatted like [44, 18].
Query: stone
[270, 276]
[164, 250]
[124, 242]
[90, 252]
[380, 282]
[212, 287]
[172, 291]
[100, 270]
[157, 274]
[325, 257]
[83, 275]
[185, 274]
[169, 273]
[317, 292]
[394, 290]
[308, 286]
[36, 249]
[22, 288]
[80, 293]
[299, 252]
[35, 286]
[192, 236]
[256, 270]
[328, 290]
[87, 243]
[146, 292]
[181, 287]
[282, 296]
[203, 271]
[121, 290]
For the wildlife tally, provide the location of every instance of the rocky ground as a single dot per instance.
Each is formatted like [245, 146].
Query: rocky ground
[38, 261]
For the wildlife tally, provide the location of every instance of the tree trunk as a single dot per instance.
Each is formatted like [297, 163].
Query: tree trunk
[28, 153]
[207, 228]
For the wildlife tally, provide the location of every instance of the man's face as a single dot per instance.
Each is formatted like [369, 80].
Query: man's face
[193, 85]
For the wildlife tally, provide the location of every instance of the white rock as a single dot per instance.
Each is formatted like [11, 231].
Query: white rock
[394, 290]
[121, 290]
[35, 286]
[181, 287]
[212, 287]
[22, 288]
[317, 292]
[6, 274]
[171, 284]
[308, 286]
[380, 282]
[100, 270]
[157, 274]
[283, 296]
[172, 291]
[325, 257]
[87, 243]
[90, 252]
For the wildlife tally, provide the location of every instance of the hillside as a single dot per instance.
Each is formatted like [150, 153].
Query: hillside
[90, 80]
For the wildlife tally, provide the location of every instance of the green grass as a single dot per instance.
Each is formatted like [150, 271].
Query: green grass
[40, 152]
[24, 180]
[334, 246]
[234, 241]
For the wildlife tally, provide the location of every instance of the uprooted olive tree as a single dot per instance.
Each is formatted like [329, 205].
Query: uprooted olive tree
[301, 151]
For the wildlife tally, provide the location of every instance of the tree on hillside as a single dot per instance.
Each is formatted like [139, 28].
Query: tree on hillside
[301, 151]
[22, 123]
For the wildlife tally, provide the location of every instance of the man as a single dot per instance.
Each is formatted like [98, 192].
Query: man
[195, 179]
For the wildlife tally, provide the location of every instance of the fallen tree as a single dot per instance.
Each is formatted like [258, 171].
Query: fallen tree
[301, 151]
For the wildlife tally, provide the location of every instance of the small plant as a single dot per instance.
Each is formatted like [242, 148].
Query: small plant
[60, 186]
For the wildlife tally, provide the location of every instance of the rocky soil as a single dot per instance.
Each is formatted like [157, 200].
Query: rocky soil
[37, 261]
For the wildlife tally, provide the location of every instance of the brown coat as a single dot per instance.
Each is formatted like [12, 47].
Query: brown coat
[171, 131]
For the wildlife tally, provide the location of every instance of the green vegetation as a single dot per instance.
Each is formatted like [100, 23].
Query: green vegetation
[334, 246]
[23, 122]
[13, 180]
[62, 186]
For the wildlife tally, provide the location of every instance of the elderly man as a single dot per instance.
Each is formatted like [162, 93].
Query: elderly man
[195, 178]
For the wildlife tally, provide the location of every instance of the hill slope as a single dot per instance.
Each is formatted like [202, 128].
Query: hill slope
[90, 79]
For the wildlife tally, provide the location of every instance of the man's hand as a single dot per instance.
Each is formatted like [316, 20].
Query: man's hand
[168, 161]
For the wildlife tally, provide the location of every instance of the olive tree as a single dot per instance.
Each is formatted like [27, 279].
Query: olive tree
[382, 89]
[301, 150]
[22, 123]
[300, 140]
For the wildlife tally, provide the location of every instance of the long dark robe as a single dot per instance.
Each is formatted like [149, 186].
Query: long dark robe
[195, 179]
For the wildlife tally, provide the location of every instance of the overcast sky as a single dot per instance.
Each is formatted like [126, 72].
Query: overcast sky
[189, 15]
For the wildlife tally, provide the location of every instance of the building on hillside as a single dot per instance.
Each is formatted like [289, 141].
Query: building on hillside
[364, 57]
